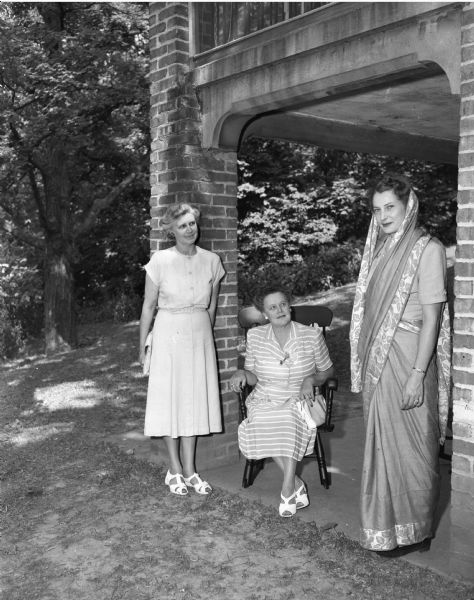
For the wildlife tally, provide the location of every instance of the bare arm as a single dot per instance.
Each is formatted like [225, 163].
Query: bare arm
[413, 390]
[242, 377]
[213, 304]
[312, 381]
[148, 310]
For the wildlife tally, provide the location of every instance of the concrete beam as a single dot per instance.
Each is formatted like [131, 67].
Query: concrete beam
[335, 50]
[354, 138]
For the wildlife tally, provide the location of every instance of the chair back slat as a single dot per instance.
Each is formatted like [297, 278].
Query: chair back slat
[306, 314]
[251, 317]
[310, 314]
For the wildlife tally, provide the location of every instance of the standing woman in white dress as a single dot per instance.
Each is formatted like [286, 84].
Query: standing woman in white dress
[183, 391]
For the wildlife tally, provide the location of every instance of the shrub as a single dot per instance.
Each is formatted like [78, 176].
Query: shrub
[12, 338]
[286, 229]
[21, 307]
[126, 307]
[120, 307]
[331, 266]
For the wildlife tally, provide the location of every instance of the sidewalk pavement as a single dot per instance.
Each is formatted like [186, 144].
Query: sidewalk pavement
[336, 507]
[339, 505]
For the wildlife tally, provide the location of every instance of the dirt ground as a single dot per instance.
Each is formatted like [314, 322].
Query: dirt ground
[81, 520]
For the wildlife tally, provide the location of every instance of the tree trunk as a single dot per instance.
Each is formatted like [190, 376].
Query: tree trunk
[59, 312]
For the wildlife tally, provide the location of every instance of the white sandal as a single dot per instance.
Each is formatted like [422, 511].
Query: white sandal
[302, 500]
[200, 487]
[286, 509]
[179, 488]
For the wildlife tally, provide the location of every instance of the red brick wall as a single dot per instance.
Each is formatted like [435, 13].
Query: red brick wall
[181, 170]
[462, 479]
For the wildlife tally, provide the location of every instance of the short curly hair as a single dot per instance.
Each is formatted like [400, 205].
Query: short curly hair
[175, 212]
[398, 184]
[266, 290]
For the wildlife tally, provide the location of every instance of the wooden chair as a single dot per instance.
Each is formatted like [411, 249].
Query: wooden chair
[307, 314]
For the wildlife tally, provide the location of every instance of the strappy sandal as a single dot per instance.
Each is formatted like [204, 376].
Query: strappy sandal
[179, 488]
[200, 487]
[302, 500]
[286, 509]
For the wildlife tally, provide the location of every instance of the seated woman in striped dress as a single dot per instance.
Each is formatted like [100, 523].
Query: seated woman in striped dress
[284, 361]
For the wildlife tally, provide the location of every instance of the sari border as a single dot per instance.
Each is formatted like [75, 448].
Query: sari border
[400, 535]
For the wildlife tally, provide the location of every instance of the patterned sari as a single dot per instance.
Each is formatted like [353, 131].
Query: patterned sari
[400, 478]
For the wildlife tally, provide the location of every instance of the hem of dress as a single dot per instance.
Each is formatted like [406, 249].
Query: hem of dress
[178, 435]
[286, 455]
[389, 539]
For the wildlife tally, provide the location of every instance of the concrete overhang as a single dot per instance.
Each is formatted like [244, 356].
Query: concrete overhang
[368, 77]
[417, 119]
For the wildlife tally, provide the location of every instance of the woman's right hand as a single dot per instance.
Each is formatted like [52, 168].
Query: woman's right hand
[238, 380]
[141, 356]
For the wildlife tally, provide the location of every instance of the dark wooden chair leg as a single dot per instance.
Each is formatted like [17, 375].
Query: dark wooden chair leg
[323, 471]
[252, 469]
[245, 478]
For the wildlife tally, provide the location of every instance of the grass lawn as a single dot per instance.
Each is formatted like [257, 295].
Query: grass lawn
[81, 520]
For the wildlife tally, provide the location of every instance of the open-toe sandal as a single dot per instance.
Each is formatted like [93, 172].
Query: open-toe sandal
[286, 509]
[200, 486]
[179, 487]
[302, 500]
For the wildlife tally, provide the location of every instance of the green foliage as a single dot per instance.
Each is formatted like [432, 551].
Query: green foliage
[287, 229]
[305, 215]
[331, 266]
[74, 140]
[112, 256]
[20, 305]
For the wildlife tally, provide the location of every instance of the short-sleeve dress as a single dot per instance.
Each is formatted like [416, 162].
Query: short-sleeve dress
[274, 426]
[183, 391]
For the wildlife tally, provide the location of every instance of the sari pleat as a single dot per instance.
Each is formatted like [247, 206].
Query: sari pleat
[400, 478]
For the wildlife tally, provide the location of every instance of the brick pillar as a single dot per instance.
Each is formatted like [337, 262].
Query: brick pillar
[182, 171]
[462, 479]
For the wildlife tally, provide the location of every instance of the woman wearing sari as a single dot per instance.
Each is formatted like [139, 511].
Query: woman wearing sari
[400, 360]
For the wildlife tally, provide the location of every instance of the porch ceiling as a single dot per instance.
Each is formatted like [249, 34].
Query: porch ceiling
[415, 119]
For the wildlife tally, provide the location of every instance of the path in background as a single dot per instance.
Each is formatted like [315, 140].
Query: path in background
[340, 301]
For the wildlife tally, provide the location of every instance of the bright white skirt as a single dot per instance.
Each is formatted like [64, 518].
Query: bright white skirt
[183, 389]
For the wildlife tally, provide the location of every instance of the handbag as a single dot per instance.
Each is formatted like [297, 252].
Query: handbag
[318, 410]
[315, 415]
[146, 362]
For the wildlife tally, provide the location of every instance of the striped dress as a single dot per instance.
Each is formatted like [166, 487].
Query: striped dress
[274, 427]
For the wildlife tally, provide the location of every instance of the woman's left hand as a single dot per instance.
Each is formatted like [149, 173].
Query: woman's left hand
[307, 390]
[412, 396]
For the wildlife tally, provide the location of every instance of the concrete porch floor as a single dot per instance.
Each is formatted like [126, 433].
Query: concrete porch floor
[336, 507]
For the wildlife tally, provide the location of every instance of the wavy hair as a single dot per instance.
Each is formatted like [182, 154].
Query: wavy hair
[398, 184]
[175, 212]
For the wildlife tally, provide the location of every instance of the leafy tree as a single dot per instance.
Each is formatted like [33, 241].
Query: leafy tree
[304, 212]
[333, 184]
[109, 273]
[73, 133]
[287, 229]
[20, 299]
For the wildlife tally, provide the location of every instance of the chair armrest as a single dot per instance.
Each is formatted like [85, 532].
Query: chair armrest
[243, 395]
[328, 389]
